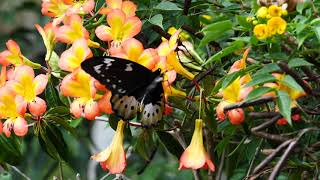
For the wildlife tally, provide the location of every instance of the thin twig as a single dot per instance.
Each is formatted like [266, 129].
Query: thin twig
[250, 103]
[305, 86]
[221, 164]
[21, 173]
[187, 4]
[274, 137]
[269, 158]
[267, 123]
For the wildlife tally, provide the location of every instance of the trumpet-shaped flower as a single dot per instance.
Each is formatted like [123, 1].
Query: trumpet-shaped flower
[12, 108]
[105, 104]
[54, 8]
[168, 57]
[48, 36]
[195, 155]
[113, 158]
[11, 56]
[133, 50]
[128, 7]
[261, 31]
[276, 25]
[28, 87]
[80, 85]
[71, 59]
[120, 27]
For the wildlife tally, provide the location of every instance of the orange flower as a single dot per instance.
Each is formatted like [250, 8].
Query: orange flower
[71, 59]
[195, 155]
[133, 50]
[54, 8]
[73, 30]
[12, 108]
[105, 104]
[80, 85]
[113, 158]
[128, 7]
[120, 27]
[28, 87]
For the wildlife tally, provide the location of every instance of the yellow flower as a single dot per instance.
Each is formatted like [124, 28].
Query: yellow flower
[275, 11]
[261, 31]
[276, 25]
[262, 12]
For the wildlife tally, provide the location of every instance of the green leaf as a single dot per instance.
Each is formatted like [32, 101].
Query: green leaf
[230, 78]
[157, 20]
[284, 105]
[214, 31]
[52, 141]
[316, 30]
[242, 21]
[171, 144]
[289, 81]
[267, 69]
[226, 51]
[167, 6]
[58, 110]
[10, 150]
[51, 94]
[297, 62]
[63, 122]
[75, 123]
[145, 143]
[258, 92]
[260, 79]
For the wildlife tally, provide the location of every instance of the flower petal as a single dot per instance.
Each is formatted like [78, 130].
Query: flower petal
[40, 83]
[37, 107]
[131, 27]
[104, 33]
[91, 110]
[20, 127]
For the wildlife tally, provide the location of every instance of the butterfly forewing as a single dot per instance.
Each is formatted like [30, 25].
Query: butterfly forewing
[133, 87]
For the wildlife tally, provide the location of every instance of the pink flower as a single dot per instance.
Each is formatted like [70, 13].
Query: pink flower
[195, 155]
[80, 85]
[28, 87]
[128, 7]
[12, 108]
[120, 27]
[71, 59]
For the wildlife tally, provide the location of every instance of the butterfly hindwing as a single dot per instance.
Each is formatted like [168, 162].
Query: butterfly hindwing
[135, 89]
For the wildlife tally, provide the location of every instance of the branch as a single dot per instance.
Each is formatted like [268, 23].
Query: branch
[273, 137]
[284, 67]
[269, 158]
[250, 103]
[267, 123]
[261, 115]
[187, 4]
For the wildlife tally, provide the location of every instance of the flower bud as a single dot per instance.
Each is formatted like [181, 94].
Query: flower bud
[236, 116]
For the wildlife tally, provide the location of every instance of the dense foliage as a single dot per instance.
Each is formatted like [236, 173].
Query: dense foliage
[241, 84]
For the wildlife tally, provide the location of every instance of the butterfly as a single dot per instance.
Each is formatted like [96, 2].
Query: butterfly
[136, 90]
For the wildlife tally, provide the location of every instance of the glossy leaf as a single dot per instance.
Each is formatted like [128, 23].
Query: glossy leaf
[284, 104]
[258, 92]
[260, 79]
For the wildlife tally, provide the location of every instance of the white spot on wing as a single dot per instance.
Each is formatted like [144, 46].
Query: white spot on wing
[97, 68]
[108, 62]
[129, 68]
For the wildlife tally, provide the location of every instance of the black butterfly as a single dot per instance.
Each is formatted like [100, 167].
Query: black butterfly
[135, 89]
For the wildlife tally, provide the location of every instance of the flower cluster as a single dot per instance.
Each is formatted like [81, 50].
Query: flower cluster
[91, 99]
[19, 90]
[268, 21]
